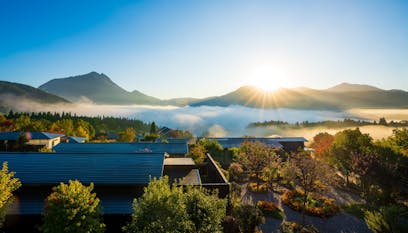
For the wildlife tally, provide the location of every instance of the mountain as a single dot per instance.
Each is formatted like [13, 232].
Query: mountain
[17, 90]
[348, 87]
[97, 88]
[343, 96]
[16, 94]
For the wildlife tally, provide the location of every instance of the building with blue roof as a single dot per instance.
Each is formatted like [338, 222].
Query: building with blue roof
[118, 178]
[135, 147]
[36, 140]
[72, 139]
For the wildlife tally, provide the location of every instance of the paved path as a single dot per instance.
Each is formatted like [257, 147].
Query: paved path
[341, 223]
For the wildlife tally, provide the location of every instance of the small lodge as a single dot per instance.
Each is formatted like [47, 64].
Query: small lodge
[288, 144]
[36, 140]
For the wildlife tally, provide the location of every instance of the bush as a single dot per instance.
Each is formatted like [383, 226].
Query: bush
[8, 184]
[270, 209]
[261, 188]
[356, 209]
[72, 208]
[316, 205]
[164, 208]
[294, 227]
[248, 217]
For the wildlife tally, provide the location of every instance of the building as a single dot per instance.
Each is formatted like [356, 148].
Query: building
[36, 140]
[71, 139]
[118, 178]
[176, 149]
[288, 144]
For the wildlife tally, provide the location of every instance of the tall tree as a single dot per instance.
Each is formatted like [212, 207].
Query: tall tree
[8, 184]
[255, 156]
[345, 144]
[321, 144]
[153, 128]
[74, 208]
[311, 175]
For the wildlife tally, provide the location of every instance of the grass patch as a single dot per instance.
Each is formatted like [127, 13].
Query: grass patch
[356, 209]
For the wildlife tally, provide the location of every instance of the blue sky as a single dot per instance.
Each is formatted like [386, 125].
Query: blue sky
[203, 48]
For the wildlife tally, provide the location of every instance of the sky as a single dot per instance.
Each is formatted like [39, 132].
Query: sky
[204, 48]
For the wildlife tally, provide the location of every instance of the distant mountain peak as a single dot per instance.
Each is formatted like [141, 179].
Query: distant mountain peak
[350, 87]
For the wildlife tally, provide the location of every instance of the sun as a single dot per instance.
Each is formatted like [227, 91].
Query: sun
[268, 78]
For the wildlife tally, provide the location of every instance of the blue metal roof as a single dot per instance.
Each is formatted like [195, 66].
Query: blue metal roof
[76, 139]
[30, 135]
[140, 147]
[53, 168]
[236, 142]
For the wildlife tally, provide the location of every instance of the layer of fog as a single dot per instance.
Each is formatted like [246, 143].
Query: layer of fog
[219, 121]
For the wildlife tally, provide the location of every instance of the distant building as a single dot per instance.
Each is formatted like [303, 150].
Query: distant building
[71, 139]
[288, 144]
[176, 149]
[36, 140]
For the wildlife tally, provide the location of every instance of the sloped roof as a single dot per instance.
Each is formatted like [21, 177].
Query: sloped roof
[141, 147]
[109, 169]
[30, 135]
[236, 142]
[76, 139]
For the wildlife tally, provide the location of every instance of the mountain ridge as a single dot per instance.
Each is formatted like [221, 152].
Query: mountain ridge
[98, 88]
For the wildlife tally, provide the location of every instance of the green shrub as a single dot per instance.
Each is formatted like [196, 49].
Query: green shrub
[72, 208]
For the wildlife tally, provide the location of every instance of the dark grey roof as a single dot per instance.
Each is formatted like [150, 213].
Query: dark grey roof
[141, 147]
[30, 135]
[53, 168]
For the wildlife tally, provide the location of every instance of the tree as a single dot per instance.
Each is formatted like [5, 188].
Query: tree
[205, 210]
[72, 207]
[23, 123]
[153, 128]
[248, 217]
[399, 140]
[345, 144]
[388, 219]
[312, 176]
[255, 156]
[197, 153]
[8, 184]
[164, 208]
[213, 147]
[128, 135]
[321, 144]
[382, 121]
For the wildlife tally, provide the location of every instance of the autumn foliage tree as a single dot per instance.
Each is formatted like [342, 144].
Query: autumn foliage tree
[72, 207]
[8, 184]
[321, 144]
